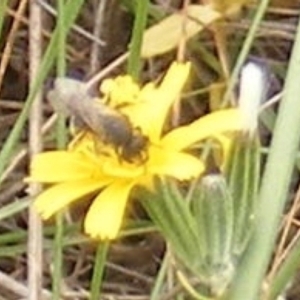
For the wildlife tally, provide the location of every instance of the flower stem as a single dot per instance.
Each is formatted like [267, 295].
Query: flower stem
[275, 186]
[99, 265]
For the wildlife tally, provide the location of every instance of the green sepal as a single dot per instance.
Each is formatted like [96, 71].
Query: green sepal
[212, 206]
[171, 214]
[243, 176]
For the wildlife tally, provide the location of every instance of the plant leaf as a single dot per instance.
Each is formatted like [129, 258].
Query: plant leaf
[167, 34]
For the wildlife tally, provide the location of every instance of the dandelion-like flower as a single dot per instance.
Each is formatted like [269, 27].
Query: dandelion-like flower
[84, 170]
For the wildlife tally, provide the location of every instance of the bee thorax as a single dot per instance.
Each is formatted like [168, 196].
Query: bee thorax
[116, 130]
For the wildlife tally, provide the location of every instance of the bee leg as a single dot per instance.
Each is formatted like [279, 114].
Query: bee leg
[78, 137]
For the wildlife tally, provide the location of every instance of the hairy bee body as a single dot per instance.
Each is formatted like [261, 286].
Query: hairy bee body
[110, 125]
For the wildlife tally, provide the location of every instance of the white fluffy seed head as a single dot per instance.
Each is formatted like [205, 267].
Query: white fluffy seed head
[253, 86]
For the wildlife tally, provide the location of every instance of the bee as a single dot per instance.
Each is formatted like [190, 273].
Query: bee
[110, 125]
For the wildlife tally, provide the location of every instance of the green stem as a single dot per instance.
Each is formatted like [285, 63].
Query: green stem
[3, 6]
[275, 186]
[58, 257]
[134, 60]
[285, 273]
[98, 270]
[262, 7]
[61, 129]
[159, 280]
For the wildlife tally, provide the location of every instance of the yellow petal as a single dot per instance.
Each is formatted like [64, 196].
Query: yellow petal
[120, 91]
[208, 126]
[104, 218]
[122, 169]
[155, 103]
[175, 78]
[58, 166]
[139, 113]
[226, 144]
[57, 197]
[180, 165]
[169, 92]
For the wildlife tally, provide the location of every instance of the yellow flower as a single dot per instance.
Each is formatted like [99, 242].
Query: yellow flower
[84, 170]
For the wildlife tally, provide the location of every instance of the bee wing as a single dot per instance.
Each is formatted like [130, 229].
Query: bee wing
[72, 97]
[68, 95]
